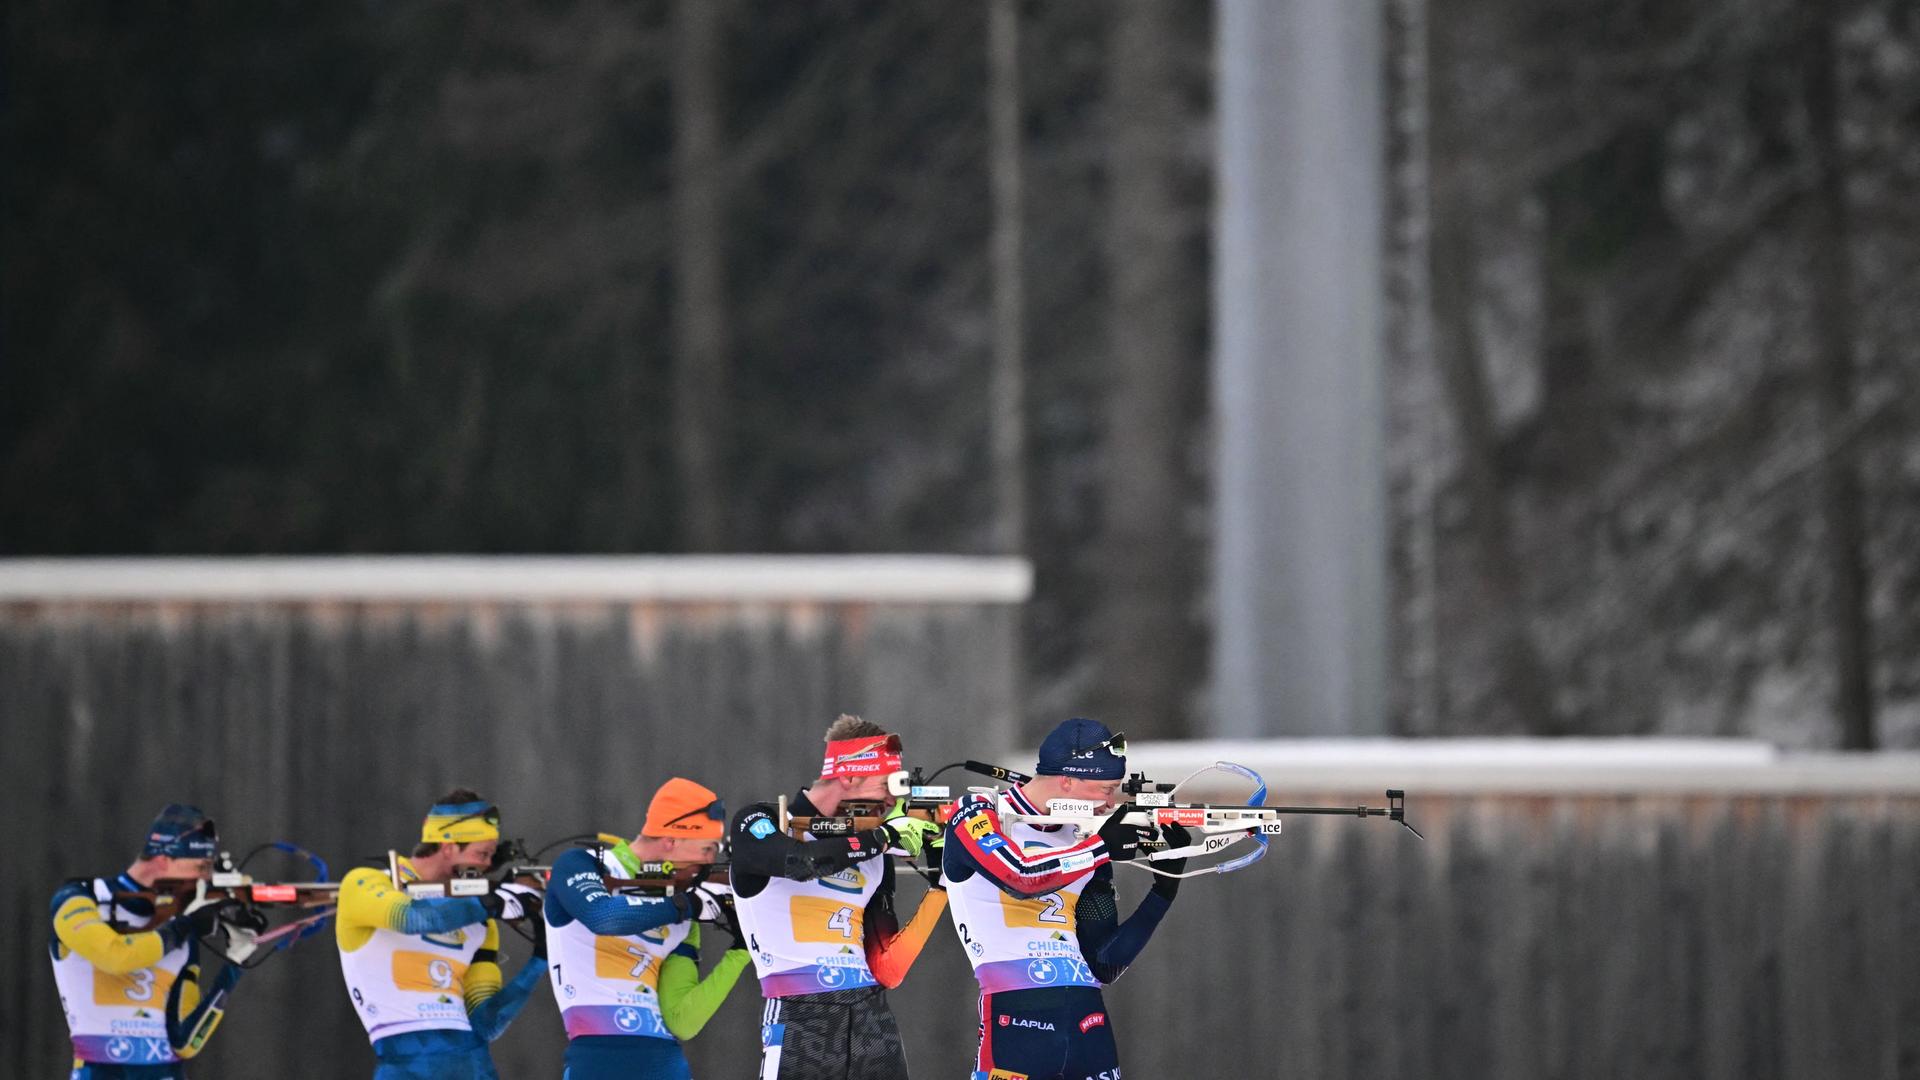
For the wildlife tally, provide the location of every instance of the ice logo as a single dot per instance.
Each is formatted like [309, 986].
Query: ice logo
[831, 976]
[627, 1019]
[1041, 971]
[120, 1049]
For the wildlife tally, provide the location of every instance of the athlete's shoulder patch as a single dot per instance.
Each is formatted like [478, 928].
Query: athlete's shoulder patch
[979, 826]
[762, 828]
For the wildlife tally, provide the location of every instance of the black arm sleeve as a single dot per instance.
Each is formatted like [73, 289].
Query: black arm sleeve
[1109, 945]
[761, 851]
[882, 921]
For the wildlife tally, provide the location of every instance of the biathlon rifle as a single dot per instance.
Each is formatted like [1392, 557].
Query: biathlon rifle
[253, 914]
[667, 878]
[924, 801]
[1211, 827]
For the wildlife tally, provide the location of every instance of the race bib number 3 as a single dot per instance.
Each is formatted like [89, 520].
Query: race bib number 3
[1053, 911]
[822, 920]
[427, 973]
[148, 986]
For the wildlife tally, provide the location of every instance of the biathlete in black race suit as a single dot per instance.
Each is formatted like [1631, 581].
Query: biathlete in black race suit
[820, 922]
[1035, 911]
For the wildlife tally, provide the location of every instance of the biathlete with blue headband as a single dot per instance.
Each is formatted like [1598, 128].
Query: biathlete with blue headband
[626, 968]
[424, 973]
[820, 919]
[1036, 911]
[133, 1001]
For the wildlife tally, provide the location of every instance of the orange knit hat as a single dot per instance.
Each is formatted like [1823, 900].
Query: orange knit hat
[684, 809]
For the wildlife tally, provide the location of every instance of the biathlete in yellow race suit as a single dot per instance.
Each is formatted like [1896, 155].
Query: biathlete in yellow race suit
[626, 968]
[1035, 911]
[132, 1000]
[424, 974]
[820, 919]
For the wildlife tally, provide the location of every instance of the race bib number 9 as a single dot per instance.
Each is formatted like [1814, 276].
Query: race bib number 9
[621, 960]
[427, 973]
[1053, 911]
[821, 920]
[148, 986]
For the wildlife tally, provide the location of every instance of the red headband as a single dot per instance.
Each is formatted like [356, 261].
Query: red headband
[870, 755]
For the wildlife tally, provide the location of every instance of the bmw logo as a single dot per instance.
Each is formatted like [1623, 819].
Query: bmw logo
[120, 1049]
[1041, 971]
[832, 976]
[627, 1019]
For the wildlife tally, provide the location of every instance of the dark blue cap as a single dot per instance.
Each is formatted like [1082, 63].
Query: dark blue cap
[1069, 750]
[182, 832]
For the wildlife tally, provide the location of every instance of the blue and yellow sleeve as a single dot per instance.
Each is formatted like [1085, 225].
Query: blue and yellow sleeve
[370, 901]
[79, 927]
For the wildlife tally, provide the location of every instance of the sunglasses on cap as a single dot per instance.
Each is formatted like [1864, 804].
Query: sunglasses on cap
[1117, 743]
[890, 743]
[716, 810]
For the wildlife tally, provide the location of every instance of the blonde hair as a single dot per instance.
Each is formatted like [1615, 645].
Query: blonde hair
[849, 726]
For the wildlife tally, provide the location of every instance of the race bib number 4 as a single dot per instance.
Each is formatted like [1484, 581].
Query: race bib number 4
[426, 973]
[822, 920]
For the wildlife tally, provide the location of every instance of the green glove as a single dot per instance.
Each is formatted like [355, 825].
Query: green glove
[911, 834]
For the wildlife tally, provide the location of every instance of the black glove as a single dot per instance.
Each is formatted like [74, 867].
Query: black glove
[495, 904]
[198, 923]
[539, 935]
[1122, 839]
[1169, 887]
[730, 922]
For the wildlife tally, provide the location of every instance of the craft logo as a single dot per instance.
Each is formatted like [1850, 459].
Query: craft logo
[1092, 1021]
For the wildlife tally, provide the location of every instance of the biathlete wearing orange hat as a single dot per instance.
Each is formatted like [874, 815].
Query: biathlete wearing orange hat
[625, 968]
[820, 919]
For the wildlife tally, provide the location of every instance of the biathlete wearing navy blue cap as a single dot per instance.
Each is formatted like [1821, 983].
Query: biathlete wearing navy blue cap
[133, 1000]
[1035, 911]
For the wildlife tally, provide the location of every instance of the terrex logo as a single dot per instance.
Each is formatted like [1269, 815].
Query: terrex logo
[1092, 1021]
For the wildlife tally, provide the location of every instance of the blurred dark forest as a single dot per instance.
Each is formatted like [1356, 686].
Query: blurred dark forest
[720, 275]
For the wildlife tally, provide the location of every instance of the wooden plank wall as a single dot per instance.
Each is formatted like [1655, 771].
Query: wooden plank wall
[336, 724]
[1683, 936]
